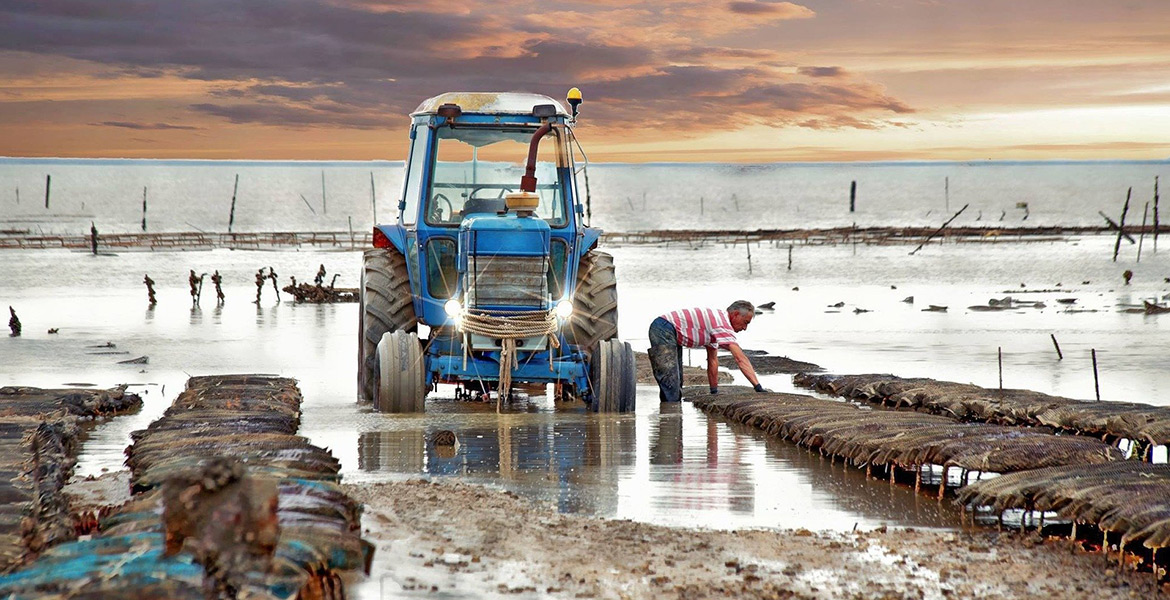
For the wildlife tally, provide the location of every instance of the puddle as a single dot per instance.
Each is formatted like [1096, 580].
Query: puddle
[666, 464]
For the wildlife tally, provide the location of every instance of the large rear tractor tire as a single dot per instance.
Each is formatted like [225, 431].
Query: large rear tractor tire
[613, 377]
[401, 381]
[386, 306]
[595, 301]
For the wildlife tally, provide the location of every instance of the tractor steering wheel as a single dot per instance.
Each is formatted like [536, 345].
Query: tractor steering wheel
[436, 212]
[484, 187]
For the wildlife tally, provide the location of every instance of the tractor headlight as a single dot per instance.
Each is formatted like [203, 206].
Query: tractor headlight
[564, 309]
[453, 309]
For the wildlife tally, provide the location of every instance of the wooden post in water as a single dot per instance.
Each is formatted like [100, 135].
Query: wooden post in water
[232, 214]
[940, 229]
[852, 196]
[789, 257]
[18, 194]
[324, 210]
[947, 193]
[1142, 235]
[1155, 214]
[1059, 354]
[1121, 225]
[144, 208]
[735, 199]
[351, 242]
[306, 200]
[748, 244]
[700, 205]
[1096, 379]
[1000, 351]
[48, 183]
[373, 198]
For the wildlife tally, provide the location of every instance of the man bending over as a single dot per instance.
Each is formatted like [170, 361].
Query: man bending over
[698, 328]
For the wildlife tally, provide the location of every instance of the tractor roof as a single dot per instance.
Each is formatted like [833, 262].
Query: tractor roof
[488, 103]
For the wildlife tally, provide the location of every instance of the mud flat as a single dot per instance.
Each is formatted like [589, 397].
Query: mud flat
[458, 540]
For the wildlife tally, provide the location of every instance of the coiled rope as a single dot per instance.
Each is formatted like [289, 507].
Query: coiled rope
[508, 327]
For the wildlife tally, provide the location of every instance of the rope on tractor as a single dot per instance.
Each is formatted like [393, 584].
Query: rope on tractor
[509, 327]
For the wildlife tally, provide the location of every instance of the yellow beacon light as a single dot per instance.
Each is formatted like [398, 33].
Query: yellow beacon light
[574, 98]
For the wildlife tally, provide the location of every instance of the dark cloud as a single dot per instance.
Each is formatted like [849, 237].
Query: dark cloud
[752, 7]
[821, 71]
[143, 126]
[296, 117]
[363, 65]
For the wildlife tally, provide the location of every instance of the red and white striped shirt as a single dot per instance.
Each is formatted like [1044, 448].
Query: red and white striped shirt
[702, 327]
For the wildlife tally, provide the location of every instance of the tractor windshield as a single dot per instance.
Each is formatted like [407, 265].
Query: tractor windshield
[476, 167]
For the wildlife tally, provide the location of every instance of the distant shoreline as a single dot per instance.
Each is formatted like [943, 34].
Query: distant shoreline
[181, 162]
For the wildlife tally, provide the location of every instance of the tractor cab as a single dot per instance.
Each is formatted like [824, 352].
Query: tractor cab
[489, 251]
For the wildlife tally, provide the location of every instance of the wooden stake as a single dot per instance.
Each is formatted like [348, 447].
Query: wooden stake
[789, 257]
[373, 198]
[940, 229]
[144, 208]
[1142, 235]
[1121, 225]
[1096, 379]
[1001, 368]
[48, 183]
[1059, 354]
[232, 214]
[324, 209]
[700, 205]
[749, 251]
[351, 242]
[1155, 214]
[308, 204]
[852, 196]
[1115, 227]
[947, 192]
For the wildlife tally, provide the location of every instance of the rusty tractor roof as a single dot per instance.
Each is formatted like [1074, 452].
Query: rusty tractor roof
[489, 103]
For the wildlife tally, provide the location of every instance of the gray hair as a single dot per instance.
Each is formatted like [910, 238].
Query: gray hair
[742, 307]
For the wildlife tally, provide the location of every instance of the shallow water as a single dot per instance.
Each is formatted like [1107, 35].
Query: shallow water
[333, 196]
[671, 466]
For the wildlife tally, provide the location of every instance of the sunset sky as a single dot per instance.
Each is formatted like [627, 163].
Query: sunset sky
[668, 80]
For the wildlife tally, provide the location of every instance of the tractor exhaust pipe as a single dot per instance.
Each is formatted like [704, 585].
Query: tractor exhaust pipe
[528, 181]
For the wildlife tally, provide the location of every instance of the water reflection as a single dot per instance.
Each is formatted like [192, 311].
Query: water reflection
[667, 464]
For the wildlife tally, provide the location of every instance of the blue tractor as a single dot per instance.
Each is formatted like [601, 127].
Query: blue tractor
[491, 254]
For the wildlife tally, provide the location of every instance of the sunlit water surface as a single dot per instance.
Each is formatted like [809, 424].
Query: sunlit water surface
[669, 465]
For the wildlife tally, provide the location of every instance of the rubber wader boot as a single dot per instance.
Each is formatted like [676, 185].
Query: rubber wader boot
[667, 372]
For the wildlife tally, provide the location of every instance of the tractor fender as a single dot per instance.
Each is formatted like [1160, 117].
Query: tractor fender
[589, 237]
[396, 235]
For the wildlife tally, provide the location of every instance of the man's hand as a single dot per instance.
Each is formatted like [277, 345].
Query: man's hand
[760, 389]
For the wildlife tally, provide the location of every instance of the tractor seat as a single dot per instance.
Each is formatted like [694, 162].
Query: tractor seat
[483, 205]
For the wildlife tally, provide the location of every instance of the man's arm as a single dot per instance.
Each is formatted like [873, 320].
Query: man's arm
[713, 368]
[745, 365]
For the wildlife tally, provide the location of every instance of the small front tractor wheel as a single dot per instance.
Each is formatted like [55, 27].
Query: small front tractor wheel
[613, 377]
[595, 301]
[401, 381]
[386, 305]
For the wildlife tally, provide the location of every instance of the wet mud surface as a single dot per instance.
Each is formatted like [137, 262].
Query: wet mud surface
[457, 540]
